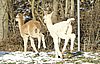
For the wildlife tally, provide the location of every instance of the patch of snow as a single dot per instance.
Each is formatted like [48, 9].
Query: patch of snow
[42, 58]
[53, 52]
[88, 63]
[89, 55]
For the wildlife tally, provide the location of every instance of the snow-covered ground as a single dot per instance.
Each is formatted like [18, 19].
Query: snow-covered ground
[48, 58]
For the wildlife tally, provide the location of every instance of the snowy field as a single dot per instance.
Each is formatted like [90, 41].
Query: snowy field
[48, 58]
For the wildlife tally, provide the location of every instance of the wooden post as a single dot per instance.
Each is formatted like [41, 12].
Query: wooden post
[78, 21]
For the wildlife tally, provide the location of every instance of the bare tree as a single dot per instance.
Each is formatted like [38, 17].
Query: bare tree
[72, 8]
[66, 8]
[3, 23]
[69, 8]
[55, 8]
[32, 7]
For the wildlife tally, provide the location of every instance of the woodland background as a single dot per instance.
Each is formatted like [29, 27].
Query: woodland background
[10, 39]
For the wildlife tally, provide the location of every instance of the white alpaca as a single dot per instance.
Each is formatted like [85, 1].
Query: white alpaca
[30, 29]
[61, 30]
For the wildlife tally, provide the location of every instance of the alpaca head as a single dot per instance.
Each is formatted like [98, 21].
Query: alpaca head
[19, 16]
[47, 17]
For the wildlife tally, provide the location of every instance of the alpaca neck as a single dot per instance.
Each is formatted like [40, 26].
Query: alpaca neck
[49, 25]
[20, 23]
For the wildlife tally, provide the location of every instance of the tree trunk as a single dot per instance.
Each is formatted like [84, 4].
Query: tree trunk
[61, 10]
[32, 5]
[55, 8]
[3, 20]
[72, 8]
[66, 8]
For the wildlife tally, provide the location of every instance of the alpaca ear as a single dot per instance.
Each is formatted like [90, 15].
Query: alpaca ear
[51, 12]
[45, 12]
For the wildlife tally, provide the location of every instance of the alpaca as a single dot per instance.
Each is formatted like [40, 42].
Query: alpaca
[30, 29]
[61, 30]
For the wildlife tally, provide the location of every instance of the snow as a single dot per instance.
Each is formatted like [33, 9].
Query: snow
[44, 57]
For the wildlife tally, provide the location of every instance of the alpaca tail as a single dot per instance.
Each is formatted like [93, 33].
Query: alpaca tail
[70, 19]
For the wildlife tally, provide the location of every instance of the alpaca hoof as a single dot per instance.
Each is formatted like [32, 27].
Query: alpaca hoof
[71, 51]
[37, 54]
[38, 48]
[62, 52]
[45, 49]
[59, 57]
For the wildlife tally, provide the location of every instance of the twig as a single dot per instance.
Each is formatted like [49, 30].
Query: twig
[30, 2]
[40, 18]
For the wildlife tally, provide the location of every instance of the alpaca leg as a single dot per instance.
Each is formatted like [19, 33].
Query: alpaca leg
[57, 50]
[43, 41]
[59, 40]
[39, 41]
[33, 45]
[65, 44]
[72, 41]
[25, 43]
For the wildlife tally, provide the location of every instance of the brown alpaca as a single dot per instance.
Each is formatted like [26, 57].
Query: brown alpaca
[30, 29]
